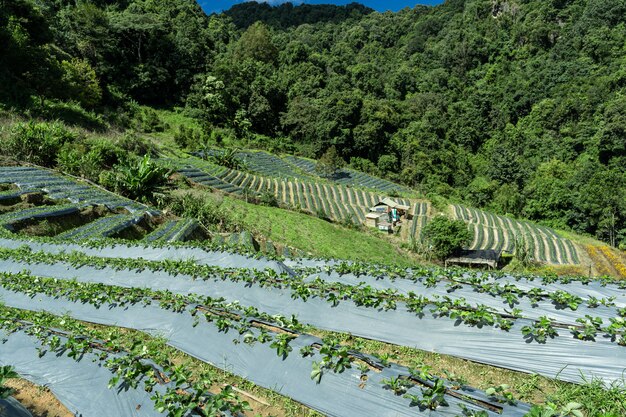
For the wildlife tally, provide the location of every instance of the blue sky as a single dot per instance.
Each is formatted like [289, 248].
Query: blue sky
[211, 6]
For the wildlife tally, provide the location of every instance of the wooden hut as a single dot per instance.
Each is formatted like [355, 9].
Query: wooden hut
[374, 218]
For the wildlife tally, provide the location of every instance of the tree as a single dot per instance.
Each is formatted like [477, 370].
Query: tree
[446, 237]
[329, 163]
[81, 82]
[256, 44]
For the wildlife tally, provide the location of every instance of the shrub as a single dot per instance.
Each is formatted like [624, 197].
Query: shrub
[208, 209]
[189, 138]
[38, 143]
[268, 199]
[130, 142]
[148, 121]
[446, 236]
[328, 165]
[136, 178]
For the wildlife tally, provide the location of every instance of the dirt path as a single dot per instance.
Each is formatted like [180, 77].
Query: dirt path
[38, 400]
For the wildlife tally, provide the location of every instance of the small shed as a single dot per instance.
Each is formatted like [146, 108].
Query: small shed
[373, 219]
[387, 204]
[487, 257]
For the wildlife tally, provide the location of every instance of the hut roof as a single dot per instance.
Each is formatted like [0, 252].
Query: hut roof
[393, 204]
[488, 257]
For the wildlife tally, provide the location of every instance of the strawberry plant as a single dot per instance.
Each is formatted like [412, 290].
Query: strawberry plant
[501, 394]
[564, 299]
[6, 372]
[281, 344]
[431, 397]
[467, 412]
[396, 384]
[540, 331]
[588, 329]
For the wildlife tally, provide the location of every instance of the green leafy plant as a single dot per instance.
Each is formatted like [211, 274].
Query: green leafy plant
[501, 393]
[136, 178]
[540, 331]
[571, 409]
[589, 328]
[431, 397]
[396, 384]
[6, 372]
[446, 236]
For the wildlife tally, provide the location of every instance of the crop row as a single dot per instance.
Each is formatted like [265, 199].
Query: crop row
[432, 275]
[102, 227]
[420, 218]
[334, 201]
[333, 292]
[173, 230]
[349, 177]
[270, 165]
[140, 366]
[334, 358]
[501, 233]
[33, 179]
[8, 219]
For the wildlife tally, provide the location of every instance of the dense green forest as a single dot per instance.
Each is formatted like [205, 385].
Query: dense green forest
[516, 106]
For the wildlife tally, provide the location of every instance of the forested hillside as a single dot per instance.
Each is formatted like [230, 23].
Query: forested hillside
[513, 106]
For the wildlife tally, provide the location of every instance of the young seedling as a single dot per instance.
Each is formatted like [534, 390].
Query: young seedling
[540, 331]
[6, 372]
[396, 384]
[501, 394]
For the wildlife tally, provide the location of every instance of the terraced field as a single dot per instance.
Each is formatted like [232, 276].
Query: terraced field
[420, 218]
[250, 316]
[294, 167]
[336, 202]
[350, 177]
[492, 231]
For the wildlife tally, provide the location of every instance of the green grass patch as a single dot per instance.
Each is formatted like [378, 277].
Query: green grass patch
[301, 231]
[315, 235]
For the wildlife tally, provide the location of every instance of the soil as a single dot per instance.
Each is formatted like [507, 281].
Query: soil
[24, 202]
[38, 400]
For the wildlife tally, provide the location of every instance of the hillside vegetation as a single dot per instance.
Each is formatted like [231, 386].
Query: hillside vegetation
[512, 106]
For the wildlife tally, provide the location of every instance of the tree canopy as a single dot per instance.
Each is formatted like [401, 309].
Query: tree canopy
[516, 107]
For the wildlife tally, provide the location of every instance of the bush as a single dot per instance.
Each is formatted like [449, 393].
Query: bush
[38, 143]
[268, 199]
[132, 143]
[446, 237]
[148, 121]
[328, 165]
[188, 138]
[136, 178]
[208, 209]
[89, 158]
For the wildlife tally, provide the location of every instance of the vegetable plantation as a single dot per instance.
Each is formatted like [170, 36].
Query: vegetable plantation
[420, 218]
[492, 231]
[336, 202]
[257, 317]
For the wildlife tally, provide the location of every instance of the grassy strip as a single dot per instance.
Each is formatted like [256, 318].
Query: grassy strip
[314, 235]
